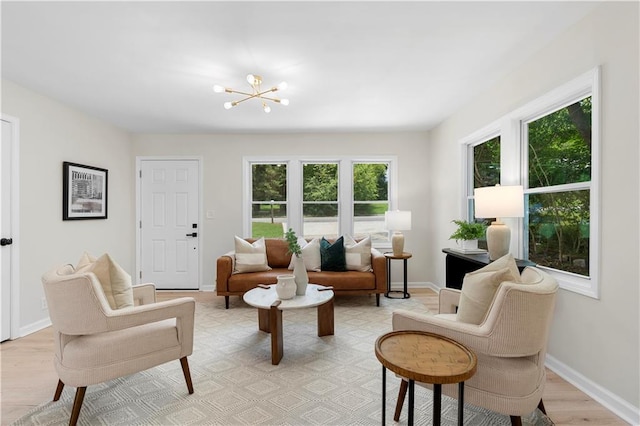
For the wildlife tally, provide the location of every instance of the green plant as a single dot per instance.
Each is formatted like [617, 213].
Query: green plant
[292, 240]
[468, 230]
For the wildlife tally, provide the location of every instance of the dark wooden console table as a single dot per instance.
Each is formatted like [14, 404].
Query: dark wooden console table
[458, 264]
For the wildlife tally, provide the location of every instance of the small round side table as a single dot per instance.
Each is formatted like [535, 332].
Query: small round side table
[419, 356]
[404, 257]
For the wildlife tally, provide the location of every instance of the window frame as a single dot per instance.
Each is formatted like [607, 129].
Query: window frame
[294, 166]
[514, 170]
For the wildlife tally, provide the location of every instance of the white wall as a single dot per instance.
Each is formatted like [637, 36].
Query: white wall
[51, 133]
[598, 340]
[222, 186]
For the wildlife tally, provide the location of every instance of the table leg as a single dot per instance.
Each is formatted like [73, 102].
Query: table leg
[412, 385]
[437, 404]
[275, 321]
[263, 320]
[406, 294]
[384, 394]
[460, 403]
[325, 319]
[388, 277]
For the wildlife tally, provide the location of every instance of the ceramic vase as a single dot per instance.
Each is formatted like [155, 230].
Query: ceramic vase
[300, 273]
[469, 244]
[286, 287]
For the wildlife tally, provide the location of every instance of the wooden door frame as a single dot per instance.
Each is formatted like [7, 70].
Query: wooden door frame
[139, 160]
[15, 224]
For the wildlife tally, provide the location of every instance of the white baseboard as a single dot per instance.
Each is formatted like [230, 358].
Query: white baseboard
[36, 326]
[399, 286]
[608, 399]
[209, 287]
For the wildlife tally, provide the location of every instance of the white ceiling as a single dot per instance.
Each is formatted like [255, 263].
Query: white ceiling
[149, 67]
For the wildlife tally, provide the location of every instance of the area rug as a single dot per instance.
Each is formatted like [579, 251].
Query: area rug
[332, 380]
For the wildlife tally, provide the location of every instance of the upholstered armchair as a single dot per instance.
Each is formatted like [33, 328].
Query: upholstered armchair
[95, 343]
[510, 343]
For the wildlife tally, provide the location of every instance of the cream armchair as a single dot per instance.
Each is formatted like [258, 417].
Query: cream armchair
[94, 343]
[510, 344]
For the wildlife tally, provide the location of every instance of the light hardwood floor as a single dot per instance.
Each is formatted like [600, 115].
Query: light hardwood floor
[28, 377]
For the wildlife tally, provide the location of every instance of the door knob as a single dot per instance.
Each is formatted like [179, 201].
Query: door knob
[6, 241]
[195, 234]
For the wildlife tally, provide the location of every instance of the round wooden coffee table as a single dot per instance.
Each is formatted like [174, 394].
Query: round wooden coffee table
[427, 358]
[265, 298]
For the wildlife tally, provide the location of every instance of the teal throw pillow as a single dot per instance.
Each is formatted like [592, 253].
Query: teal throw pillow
[332, 256]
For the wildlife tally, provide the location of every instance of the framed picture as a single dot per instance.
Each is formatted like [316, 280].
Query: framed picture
[84, 192]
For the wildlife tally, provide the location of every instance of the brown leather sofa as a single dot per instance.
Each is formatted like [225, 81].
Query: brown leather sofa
[278, 258]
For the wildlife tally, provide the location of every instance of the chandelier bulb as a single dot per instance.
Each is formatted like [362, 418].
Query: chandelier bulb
[283, 86]
[284, 102]
[266, 108]
[228, 105]
[218, 89]
[250, 79]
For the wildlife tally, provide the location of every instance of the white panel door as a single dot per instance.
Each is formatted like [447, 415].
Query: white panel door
[170, 231]
[5, 230]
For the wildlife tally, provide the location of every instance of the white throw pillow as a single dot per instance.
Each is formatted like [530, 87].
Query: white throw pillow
[479, 287]
[115, 282]
[250, 257]
[85, 260]
[310, 254]
[357, 254]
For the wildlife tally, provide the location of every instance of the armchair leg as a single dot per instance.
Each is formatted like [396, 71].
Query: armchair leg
[401, 394]
[77, 405]
[226, 302]
[187, 373]
[59, 388]
[377, 299]
[541, 407]
[516, 421]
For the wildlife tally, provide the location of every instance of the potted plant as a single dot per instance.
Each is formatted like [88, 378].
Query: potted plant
[468, 233]
[299, 269]
[292, 240]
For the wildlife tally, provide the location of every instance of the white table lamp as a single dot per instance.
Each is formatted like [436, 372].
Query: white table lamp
[498, 202]
[397, 221]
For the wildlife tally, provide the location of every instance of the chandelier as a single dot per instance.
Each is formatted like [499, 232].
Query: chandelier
[255, 81]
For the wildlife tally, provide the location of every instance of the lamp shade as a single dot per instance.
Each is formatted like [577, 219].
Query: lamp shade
[499, 201]
[397, 220]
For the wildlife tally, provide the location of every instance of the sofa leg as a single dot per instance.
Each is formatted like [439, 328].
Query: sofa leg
[226, 302]
[77, 405]
[187, 374]
[377, 299]
[401, 394]
[59, 388]
[516, 421]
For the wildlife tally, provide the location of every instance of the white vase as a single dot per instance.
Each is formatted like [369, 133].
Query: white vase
[286, 287]
[301, 276]
[469, 244]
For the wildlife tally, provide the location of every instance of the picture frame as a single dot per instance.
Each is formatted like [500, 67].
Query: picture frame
[84, 191]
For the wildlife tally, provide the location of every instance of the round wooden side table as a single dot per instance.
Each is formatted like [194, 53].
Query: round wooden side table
[428, 358]
[404, 257]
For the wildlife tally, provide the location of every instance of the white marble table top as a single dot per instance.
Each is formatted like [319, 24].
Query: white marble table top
[263, 298]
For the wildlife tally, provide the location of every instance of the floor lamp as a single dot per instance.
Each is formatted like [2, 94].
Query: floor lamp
[498, 202]
[397, 221]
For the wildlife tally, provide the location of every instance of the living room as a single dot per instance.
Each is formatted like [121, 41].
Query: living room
[594, 341]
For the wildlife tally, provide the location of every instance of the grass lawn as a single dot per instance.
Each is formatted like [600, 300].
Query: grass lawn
[267, 230]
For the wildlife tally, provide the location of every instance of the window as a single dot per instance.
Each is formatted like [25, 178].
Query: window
[320, 204]
[483, 169]
[551, 147]
[558, 147]
[268, 199]
[370, 199]
[318, 197]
